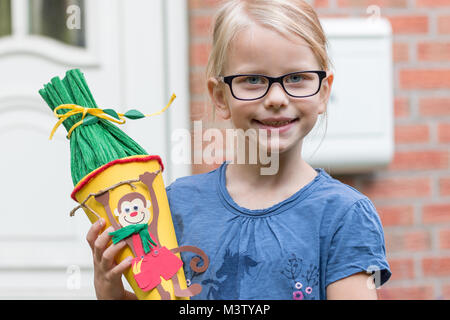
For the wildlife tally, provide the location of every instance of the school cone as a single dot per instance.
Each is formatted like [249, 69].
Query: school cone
[113, 173]
[108, 166]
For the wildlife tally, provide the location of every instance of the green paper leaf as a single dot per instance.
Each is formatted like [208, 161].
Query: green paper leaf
[89, 119]
[112, 113]
[134, 114]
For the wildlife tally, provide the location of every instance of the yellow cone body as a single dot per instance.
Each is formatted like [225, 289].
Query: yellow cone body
[109, 175]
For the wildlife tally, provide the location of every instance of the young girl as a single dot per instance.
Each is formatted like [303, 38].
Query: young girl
[297, 233]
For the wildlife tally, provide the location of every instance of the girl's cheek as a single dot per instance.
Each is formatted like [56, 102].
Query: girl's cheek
[308, 105]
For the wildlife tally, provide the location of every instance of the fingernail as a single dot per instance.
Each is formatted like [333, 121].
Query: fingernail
[101, 222]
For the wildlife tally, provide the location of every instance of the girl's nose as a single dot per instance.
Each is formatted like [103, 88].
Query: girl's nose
[133, 214]
[276, 97]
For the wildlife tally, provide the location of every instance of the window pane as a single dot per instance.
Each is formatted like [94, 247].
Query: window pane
[50, 18]
[5, 17]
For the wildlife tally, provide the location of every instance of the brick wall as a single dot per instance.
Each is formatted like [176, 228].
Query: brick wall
[412, 195]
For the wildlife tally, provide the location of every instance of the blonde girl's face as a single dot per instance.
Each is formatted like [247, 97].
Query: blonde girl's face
[260, 50]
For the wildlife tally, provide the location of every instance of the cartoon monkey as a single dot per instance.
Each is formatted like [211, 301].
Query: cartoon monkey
[151, 260]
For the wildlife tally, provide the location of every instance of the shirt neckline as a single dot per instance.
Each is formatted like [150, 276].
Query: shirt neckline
[229, 203]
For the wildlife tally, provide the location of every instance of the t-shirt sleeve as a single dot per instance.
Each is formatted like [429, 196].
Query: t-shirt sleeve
[176, 218]
[357, 245]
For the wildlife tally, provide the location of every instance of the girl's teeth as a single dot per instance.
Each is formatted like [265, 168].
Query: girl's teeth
[277, 123]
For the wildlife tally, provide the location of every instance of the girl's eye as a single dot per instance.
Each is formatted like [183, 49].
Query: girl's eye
[135, 207]
[253, 80]
[294, 78]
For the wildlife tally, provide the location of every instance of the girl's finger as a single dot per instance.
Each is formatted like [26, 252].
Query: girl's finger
[101, 243]
[93, 232]
[119, 269]
[109, 254]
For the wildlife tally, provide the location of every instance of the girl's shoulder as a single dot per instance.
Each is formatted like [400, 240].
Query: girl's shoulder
[345, 205]
[336, 190]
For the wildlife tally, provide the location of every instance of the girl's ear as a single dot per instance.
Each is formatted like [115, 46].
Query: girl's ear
[216, 92]
[325, 91]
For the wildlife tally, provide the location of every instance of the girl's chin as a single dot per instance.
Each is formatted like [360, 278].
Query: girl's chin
[274, 146]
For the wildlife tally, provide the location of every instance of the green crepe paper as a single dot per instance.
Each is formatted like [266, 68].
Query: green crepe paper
[97, 141]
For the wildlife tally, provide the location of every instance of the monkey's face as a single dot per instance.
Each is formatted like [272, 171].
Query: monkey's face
[133, 212]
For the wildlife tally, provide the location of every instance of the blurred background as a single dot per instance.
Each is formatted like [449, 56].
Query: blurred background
[134, 55]
[387, 135]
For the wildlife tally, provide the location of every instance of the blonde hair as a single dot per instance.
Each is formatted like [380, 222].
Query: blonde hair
[288, 17]
[285, 16]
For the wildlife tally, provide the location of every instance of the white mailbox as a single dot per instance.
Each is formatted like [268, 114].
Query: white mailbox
[359, 133]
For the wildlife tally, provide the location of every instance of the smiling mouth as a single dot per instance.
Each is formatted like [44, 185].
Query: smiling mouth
[143, 216]
[275, 124]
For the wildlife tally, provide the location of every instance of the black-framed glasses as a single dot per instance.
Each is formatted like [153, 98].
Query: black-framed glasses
[299, 84]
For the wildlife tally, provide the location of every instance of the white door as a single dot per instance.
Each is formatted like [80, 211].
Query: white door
[126, 51]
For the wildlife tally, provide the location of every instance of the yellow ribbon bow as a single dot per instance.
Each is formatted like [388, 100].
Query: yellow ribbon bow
[97, 112]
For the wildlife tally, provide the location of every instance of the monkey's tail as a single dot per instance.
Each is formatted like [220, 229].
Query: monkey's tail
[195, 260]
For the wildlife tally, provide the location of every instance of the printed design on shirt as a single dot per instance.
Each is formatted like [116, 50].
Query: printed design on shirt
[189, 273]
[228, 276]
[304, 278]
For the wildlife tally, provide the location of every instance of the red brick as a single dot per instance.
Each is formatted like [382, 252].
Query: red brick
[436, 213]
[400, 51]
[445, 292]
[444, 132]
[321, 4]
[409, 24]
[417, 241]
[401, 187]
[425, 79]
[198, 110]
[366, 3]
[396, 215]
[434, 106]
[204, 4]
[444, 238]
[200, 26]
[401, 268]
[401, 107]
[412, 133]
[199, 53]
[419, 160]
[433, 51]
[444, 24]
[436, 266]
[197, 82]
[202, 110]
[432, 3]
[325, 15]
[444, 186]
[420, 292]
[409, 241]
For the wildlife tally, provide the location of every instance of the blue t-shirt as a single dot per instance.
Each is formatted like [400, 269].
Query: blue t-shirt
[326, 231]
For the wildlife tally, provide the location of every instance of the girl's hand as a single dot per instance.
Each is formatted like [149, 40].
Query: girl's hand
[107, 274]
